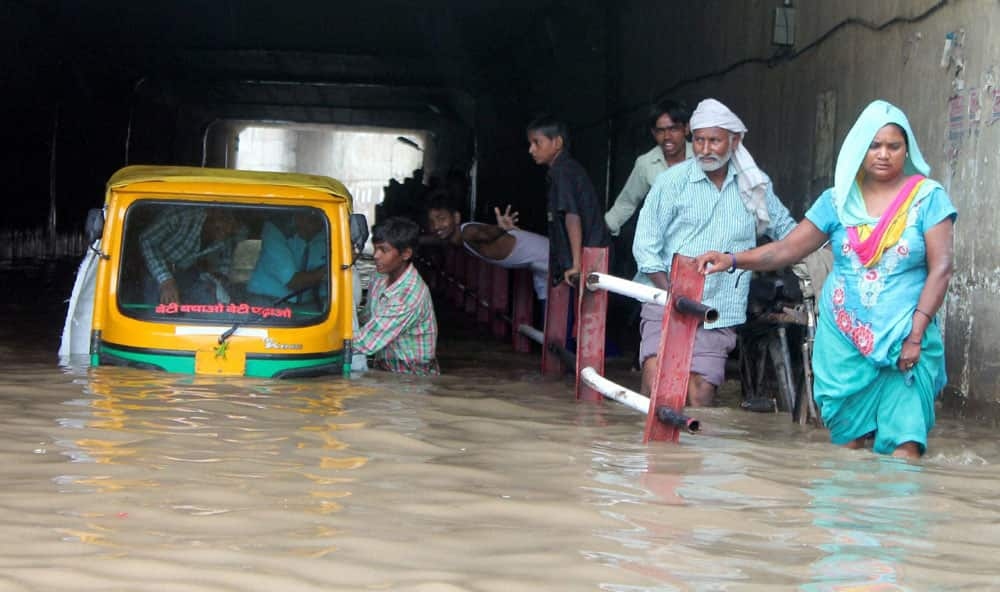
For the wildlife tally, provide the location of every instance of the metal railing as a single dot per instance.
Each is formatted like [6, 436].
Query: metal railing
[480, 289]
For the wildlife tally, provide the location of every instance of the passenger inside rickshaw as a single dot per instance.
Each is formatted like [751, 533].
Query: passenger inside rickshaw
[216, 263]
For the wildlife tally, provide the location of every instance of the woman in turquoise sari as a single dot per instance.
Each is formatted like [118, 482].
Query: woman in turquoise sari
[879, 357]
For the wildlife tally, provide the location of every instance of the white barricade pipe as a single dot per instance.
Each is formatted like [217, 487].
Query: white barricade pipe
[532, 334]
[634, 400]
[614, 391]
[641, 292]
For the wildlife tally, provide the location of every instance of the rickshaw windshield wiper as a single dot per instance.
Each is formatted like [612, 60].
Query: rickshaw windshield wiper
[229, 332]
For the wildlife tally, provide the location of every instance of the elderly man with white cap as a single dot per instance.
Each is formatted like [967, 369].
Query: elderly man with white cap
[721, 201]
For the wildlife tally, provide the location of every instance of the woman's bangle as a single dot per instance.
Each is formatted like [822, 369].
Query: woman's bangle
[929, 317]
[913, 342]
[733, 257]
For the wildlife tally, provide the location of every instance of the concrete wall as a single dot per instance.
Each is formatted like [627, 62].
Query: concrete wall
[722, 49]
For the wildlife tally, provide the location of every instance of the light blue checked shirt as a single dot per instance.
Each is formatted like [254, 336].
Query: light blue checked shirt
[684, 213]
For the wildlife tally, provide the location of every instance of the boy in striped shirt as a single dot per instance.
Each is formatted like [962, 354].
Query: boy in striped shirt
[399, 330]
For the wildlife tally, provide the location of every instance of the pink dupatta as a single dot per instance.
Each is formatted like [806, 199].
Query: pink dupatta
[870, 243]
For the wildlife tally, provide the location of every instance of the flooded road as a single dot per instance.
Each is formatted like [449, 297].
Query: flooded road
[485, 479]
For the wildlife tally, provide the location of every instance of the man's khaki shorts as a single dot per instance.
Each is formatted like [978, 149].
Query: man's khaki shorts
[711, 346]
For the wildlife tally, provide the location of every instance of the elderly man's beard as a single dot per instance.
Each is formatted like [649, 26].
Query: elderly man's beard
[711, 163]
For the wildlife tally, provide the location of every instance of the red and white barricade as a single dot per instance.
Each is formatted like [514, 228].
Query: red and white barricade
[503, 300]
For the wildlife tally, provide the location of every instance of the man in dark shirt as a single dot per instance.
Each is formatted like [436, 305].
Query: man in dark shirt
[574, 214]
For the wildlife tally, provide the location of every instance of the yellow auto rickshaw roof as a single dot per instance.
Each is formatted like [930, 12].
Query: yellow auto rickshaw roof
[182, 174]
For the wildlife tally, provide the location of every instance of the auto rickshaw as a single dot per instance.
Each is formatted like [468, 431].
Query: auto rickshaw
[218, 271]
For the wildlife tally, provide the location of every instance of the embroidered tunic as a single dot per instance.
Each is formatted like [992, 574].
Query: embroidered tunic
[872, 307]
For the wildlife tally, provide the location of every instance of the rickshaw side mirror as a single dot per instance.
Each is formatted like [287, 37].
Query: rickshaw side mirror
[359, 231]
[94, 227]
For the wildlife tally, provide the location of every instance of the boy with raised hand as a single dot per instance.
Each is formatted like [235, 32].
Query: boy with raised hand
[400, 329]
[503, 244]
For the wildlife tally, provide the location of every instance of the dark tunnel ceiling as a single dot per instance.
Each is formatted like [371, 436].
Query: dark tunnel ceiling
[290, 56]
[376, 27]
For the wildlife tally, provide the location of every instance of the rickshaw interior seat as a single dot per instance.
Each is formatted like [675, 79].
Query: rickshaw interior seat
[245, 257]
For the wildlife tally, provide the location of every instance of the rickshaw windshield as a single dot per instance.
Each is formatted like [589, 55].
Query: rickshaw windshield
[197, 262]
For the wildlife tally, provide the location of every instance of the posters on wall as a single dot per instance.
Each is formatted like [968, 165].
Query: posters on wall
[957, 110]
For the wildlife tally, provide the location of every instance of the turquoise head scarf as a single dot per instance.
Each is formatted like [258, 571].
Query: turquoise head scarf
[847, 200]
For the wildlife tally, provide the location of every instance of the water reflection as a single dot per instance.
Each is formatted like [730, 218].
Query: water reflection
[874, 513]
[208, 445]
[736, 512]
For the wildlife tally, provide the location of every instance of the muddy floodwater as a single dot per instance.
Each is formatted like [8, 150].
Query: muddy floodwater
[485, 479]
